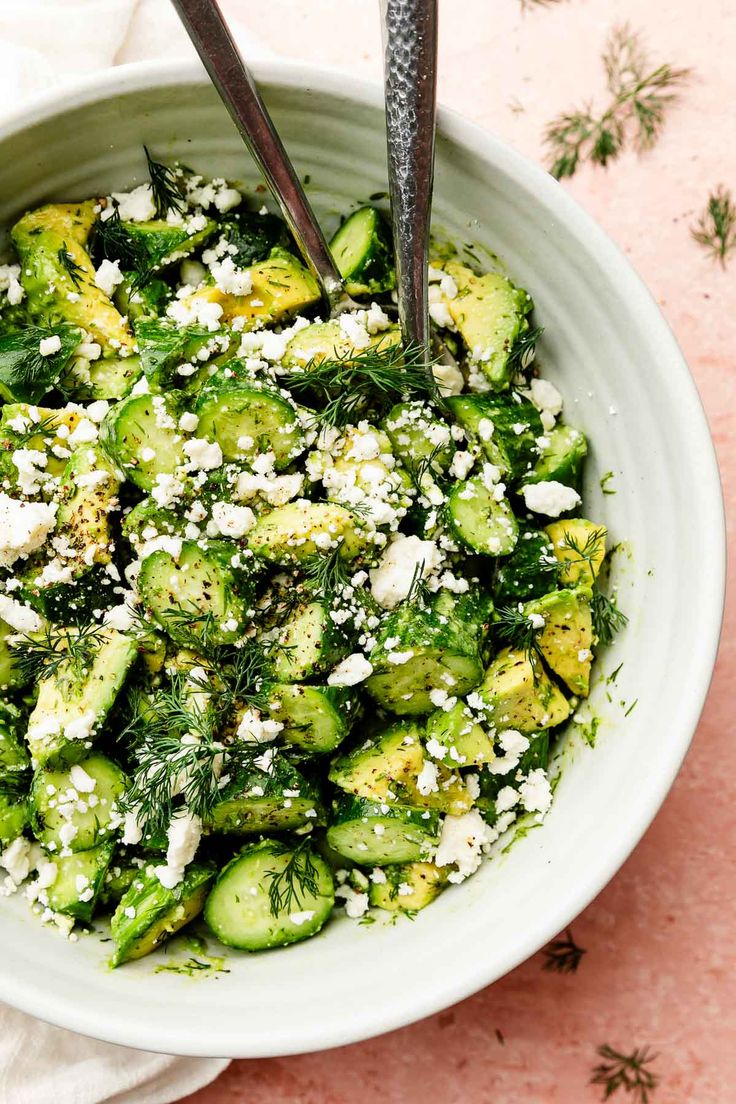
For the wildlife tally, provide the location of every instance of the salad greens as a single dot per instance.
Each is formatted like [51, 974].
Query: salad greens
[289, 620]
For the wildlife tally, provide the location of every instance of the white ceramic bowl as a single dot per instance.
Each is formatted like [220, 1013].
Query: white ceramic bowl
[625, 383]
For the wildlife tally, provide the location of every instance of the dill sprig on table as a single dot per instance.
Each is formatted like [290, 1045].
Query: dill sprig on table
[289, 887]
[625, 1071]
[563, 956]
[345, 387]
[166, 187]
[715, 229]
[641, 93]
[57, 651]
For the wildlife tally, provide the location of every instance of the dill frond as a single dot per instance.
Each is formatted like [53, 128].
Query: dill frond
[715, 229]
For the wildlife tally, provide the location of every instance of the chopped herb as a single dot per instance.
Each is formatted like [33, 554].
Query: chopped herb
[165, 188]
[605, 480]
[625, 1071]
[26, 375]
[57, 651]
[588, 552]
[564, 955]
[74, 270]
[345, 387]
[715, 230]
[326, 575]
[374, 197]
[608, 619]
[289, 887]
[589, 732]
[640, 93]
[523, 350]
[515, 628]
[614, 675]
[632, 707]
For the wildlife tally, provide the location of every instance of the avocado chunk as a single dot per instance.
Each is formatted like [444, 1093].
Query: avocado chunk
[328, 341]
[408, 887]
[58, 275]
[79, 879]
[566, 640]
[73, 702]
[293, 533]
[463, 740]
[490, 315]
[281, 287]
[519, 694]
[149, 913]
[580, 547]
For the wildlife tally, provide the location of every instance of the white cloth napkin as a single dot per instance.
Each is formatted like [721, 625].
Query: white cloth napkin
[44, 43]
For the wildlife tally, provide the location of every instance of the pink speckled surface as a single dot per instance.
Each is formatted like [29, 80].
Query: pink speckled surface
[660, 938]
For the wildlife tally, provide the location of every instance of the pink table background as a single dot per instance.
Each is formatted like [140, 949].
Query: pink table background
[660, 938]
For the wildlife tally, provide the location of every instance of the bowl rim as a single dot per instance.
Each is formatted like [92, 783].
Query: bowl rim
[139, 76]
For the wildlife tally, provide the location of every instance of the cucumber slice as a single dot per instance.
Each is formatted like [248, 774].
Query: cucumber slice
[536, 755]
[14, 812]
[506, 427]
[56, 803]
[163, 347]
[110, 377]
[293, 533]
[10, 674]
[480, 520]
[118, 879]
[371, 833]
[239, 910]
[420, 440]
[14, 759]
[519, 694]
[139, 304]
[148, 913]
[433, 650]
[466, 743]
[78, 882]
[363, 253]
[316, 718]
[199, 594]
[310, 644]
[328, 341]
[85, 506]
[140, 435]
[562, 459]
[528, 572]
[408, 887]
[580, 546]
[71, 706]
[278, 800]
[247, 419]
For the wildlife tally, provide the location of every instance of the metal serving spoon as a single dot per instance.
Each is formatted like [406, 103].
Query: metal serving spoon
[410, 80]
[212, 40]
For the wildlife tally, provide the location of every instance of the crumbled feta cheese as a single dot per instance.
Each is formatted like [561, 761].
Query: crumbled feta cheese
[18, 615]
[461, 464]
[535, 792]
[47, 346]
[449, 379]
[188, 422]
[550, 497]
[24, 526]
[108, 276]
[30, 464]
[16, 860]
[184, 834]
[232, 521]
[10, 283]
[356, 904]
[391, 580]
[351, 671]
[537, 620]
[135, 206]
[302, 917]
[461, 844]
[513, 745]
[254, 730]
[427, 779]
[81, 781]
[203, 455]
[85, 432]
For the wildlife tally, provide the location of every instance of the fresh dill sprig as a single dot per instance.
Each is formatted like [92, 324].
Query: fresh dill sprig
[165, 188]
[625, 1071]
[529, 5]
[640, 96]
[191, 628]
[24, 371]
[247, 673]
[418, 593]
[524, 350]
[327, 575]
[113, 243]
[588, 552]
[74, 270]
[608, 619]
[516, 628]
[345, 387]
[716, 227]
[289, 887]
[563, 955]
[46, 427]
[56, 651]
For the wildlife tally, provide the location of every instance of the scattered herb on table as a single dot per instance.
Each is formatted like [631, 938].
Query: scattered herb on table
[715, 230]
[563, 956]
[629, 1072]
[640, 94]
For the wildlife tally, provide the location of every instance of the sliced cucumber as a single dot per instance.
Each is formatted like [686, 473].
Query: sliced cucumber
[197, 594]
[294, 533]
[328, 341]
[465, 742]
[364, 254]
[139, 304]
[240, 908]
[481, 520]
[71, 705]
[519, 694]
[14, 759]
[419, 650]
[110, 377]
[408, 887]
[78, 882]
[316, 718]
[528, 572]
[11, 675]
[535, 756]
[149, 913]
[420, 439]
[372, 833]
[140, 434]
[278, 800]
[506, 427]
[56, 803]
[247, 419]
[310, 644]
[164, 347]
[14, 811]
[562, 459]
